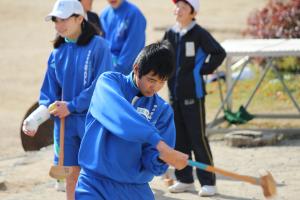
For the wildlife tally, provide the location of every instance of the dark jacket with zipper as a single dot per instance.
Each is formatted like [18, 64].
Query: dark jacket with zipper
[188, 47]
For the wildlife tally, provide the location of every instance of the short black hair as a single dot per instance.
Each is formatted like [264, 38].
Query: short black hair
[88, 31]
[157, 58]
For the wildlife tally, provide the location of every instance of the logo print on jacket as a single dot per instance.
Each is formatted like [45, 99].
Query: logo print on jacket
[146, 113]
[86, 68]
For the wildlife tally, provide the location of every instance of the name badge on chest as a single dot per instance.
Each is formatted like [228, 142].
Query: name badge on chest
[189, 49]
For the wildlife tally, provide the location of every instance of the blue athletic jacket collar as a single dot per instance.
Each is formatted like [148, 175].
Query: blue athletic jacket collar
[133, 85]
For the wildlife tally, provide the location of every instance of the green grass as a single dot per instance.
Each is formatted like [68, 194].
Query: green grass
[270, 98]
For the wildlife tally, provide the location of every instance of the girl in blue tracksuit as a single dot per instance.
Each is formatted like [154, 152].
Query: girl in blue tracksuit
[124, 28]
[78, 58]
[127, 128]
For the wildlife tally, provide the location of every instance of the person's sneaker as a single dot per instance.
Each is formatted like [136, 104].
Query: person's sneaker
[60, 185]
[181, 187]
[207, 191]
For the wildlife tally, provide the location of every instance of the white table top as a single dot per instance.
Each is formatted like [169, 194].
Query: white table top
[262, 47]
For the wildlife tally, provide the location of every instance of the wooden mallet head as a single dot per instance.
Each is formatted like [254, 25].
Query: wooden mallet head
[60, 172]
[268, 184]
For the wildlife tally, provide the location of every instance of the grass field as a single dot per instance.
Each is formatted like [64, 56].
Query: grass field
[270, 98]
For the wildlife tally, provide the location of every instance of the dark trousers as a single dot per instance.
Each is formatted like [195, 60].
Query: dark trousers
[191, 137]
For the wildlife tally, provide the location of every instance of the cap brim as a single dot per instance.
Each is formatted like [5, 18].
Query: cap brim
[48, 18]
[58, 15]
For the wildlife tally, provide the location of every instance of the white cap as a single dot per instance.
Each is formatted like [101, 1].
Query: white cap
[194, 3]
[65, 8]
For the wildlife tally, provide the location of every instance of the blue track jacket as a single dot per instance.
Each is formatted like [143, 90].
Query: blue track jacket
[124, 28]
[73, 70]
[122, 131]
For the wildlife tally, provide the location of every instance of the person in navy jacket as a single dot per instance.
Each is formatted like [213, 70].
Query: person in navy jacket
[197, 54]
[80, 55]
[130, 131]
[124, 28]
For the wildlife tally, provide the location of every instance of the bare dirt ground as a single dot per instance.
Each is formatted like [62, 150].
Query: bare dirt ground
[25, 46]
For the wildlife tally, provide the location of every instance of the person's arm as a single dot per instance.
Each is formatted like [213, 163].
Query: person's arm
[175, 158]
[35, 119]
[50, 90]
[152, 162]
[133, 43]
[150, 158]
[118, 116]
[199, 63]
[215, 52]
[101, 62]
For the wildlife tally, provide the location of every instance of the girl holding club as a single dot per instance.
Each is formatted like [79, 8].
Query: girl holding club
[80, 55]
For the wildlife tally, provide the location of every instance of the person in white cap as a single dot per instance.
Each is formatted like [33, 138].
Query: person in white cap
[80, 55]
[197, 54]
